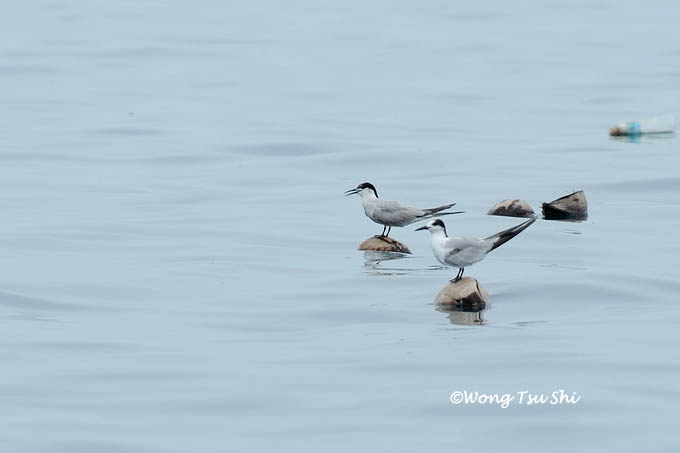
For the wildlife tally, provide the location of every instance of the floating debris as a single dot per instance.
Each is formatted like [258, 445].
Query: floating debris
[512, 207]
[569, 207]
[383, 244]
[466, 292]
[657, 125]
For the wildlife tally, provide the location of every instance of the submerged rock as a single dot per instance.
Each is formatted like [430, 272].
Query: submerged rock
[383, 244]
[569, 207]
[512, 207]
[466, 292]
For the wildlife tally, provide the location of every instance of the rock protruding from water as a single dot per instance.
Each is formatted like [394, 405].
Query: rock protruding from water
[569, 207]
[383, 244]
[466, 292]
[512, 207]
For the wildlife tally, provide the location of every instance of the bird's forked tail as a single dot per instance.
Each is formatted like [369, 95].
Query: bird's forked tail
[505, 235]
[435, 212]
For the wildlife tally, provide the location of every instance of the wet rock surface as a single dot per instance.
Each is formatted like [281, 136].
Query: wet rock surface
[383, 244]
[466, 292]
[569, 207]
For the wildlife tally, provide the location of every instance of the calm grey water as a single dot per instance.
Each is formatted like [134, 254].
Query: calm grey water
[178, 266]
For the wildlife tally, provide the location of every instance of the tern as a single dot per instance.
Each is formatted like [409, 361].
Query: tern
[466, 251]
[390, 213]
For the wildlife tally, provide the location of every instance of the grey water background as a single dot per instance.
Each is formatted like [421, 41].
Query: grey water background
[178, 266]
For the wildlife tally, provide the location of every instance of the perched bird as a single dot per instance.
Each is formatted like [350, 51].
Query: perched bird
[463, 252]
[390, 213]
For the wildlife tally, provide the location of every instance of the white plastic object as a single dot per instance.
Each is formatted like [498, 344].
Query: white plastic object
[655, 125]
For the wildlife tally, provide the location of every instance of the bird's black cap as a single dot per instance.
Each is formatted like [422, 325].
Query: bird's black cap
[438, 222]
[367, 185]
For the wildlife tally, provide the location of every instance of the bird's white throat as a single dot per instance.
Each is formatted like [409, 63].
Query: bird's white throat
[367, 195]
[437, 233]
[368, 201]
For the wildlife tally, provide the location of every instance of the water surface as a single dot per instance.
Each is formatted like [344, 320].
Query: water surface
[179, 268]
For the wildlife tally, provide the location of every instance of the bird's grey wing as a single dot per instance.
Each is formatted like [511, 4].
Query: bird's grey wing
[466, 251]
[393, 214]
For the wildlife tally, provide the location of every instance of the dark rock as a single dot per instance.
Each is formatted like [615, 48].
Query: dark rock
[569, 207]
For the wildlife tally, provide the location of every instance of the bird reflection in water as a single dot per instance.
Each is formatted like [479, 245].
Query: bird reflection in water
[372, 262]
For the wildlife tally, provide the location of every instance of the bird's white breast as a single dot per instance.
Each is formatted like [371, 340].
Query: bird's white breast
[437, 241]
[370, 206]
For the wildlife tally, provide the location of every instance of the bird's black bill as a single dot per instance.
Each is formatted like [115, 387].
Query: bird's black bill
[351, 192]
[421, 228]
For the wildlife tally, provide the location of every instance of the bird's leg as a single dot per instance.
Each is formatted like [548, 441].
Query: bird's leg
[382, 235]
[455, 279]
[388, 231]
[462, 270]
[459, 274]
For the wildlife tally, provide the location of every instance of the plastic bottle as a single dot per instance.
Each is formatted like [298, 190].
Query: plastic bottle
[656, 125]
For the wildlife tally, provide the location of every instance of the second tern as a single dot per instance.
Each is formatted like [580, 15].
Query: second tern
[390, 213]
[465, 251]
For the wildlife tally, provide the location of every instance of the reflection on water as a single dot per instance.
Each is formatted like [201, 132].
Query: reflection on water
[384, 263]
[570, 231]
[644, 138]
[570, 219]
[373, 259]
[564, 266]
[465, 316]
[202, 232]
[372, 262]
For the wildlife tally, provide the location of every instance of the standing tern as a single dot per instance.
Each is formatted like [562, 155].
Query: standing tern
[463, 252]
[390, 213]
